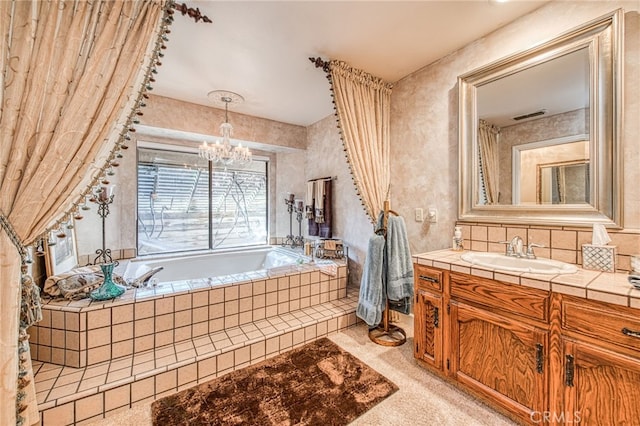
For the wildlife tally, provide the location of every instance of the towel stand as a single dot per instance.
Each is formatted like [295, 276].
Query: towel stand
[387, 334]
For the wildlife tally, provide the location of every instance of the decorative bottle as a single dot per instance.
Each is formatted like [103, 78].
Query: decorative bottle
[456, 244]
[108, 290]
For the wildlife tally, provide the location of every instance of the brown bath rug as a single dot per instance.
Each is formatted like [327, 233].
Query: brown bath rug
[317, 384]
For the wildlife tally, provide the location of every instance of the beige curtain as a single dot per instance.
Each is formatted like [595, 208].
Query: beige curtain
[488, 153]
[69, 72]
[362, 106]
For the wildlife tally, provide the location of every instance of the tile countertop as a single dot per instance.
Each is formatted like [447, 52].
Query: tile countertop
[602, 286]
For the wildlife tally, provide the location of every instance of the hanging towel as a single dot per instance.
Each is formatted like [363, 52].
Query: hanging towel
[399, 266]
[319, 201]
[308, 199]
[371, 300]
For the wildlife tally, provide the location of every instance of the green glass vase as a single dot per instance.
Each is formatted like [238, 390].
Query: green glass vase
[108, 290]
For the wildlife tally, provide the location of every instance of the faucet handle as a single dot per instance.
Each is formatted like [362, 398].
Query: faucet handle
[508, 247]
[530, 253]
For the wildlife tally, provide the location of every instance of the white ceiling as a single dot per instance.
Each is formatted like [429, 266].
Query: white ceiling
[260, 49]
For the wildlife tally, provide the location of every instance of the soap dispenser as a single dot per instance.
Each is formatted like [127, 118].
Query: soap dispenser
[457, 239]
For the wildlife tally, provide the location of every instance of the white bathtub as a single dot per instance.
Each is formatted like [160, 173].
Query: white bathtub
[189, 267]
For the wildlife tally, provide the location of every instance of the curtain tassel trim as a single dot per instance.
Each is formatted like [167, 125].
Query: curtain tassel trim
[31, 303]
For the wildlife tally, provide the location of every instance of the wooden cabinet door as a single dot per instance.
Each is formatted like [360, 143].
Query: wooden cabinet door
[503, 359]
[601, 387]
[428, 327]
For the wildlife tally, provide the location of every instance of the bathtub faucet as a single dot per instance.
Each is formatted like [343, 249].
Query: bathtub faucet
[143, 279]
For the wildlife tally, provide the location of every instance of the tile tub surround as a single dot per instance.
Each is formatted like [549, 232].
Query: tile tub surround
[85, 333]
[602, 286]
[562, 243]
[68, 395]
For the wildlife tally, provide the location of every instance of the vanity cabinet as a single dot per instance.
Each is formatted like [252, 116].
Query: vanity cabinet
[428, 309]
[540, 357]
[499, 340]
[601, 364]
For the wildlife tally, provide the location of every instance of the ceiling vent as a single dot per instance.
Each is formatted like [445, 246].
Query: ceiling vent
[530, 115]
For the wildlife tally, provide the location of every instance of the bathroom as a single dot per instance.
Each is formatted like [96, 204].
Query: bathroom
[424, 157]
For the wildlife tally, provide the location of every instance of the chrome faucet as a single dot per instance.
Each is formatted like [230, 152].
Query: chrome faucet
[516, 246]
[530, 254]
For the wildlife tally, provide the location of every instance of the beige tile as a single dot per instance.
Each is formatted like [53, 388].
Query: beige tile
[246, 304]
[496, 233]
[216, 325]
[200, 314]
[207, 367]
[60, 415]
[310, 333]
[122, 331]
[121, 349]
[242, 355]
[298, 336]
[164, 322]
[142, 389]
[259, 287]
[245, 290]
[626, 243]
[225, 361]
[231, 293]
[199, 329]
[271, 299]
[258, 350]
[199, 299]
[144, 327]
[144, 309]
[164, 338]
[216, 295]
[182, 302]
[539, 236]
[122, 313]
[98, 318]
[164, 306]
[616, 299]
[283, 283]
[166, 381]
[568, 256]
[182, 318]
[259, 313]
[515, 231]
[479, 233]
[231, 320]
[99, 354]
[116, 398]
[57, 338]
[182, 333]
[570, 290]
[271, 285]
[216, 311]
[272, 345]
[98, 337]
[231, 307]
[187, 374]
[57, 319]
[245, 317]
[143, 343]
[566, 240]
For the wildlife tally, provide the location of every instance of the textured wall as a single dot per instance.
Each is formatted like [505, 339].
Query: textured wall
[326, 157]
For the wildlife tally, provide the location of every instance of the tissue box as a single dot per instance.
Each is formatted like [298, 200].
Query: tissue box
[599, 258]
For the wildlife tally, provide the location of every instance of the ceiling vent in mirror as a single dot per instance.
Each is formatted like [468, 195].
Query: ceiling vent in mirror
[530, 115]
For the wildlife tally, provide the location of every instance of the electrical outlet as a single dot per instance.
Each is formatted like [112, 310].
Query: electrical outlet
[419, 214]
[433, 215]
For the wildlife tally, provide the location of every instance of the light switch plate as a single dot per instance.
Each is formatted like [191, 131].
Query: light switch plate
[433, 215]
[419, 214]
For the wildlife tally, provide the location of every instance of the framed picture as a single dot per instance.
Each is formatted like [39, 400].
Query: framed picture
[62, 256]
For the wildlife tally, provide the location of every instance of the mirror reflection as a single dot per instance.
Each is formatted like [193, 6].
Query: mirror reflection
[563, 91]
[538, 113]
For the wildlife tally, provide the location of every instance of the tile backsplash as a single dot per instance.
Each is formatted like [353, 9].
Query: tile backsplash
[560, 243]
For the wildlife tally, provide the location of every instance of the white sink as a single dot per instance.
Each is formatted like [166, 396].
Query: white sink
[508, 263]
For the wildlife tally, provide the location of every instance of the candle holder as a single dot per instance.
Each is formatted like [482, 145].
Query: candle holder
[108, 290]
[290, 201]
[298, 240]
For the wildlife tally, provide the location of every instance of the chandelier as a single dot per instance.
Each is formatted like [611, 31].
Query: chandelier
[222, 151]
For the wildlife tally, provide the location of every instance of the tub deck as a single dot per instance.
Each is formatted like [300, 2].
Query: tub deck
[95, 358]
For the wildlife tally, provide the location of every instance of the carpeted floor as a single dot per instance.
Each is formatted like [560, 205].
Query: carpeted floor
[422, 398]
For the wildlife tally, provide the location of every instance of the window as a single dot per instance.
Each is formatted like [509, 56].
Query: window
[187, 203]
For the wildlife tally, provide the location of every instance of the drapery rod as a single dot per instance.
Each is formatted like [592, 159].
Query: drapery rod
[324, 178]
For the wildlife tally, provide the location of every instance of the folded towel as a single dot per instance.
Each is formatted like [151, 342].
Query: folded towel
[329, 244]
[371, 300]
[308, 199]
[399, 265]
